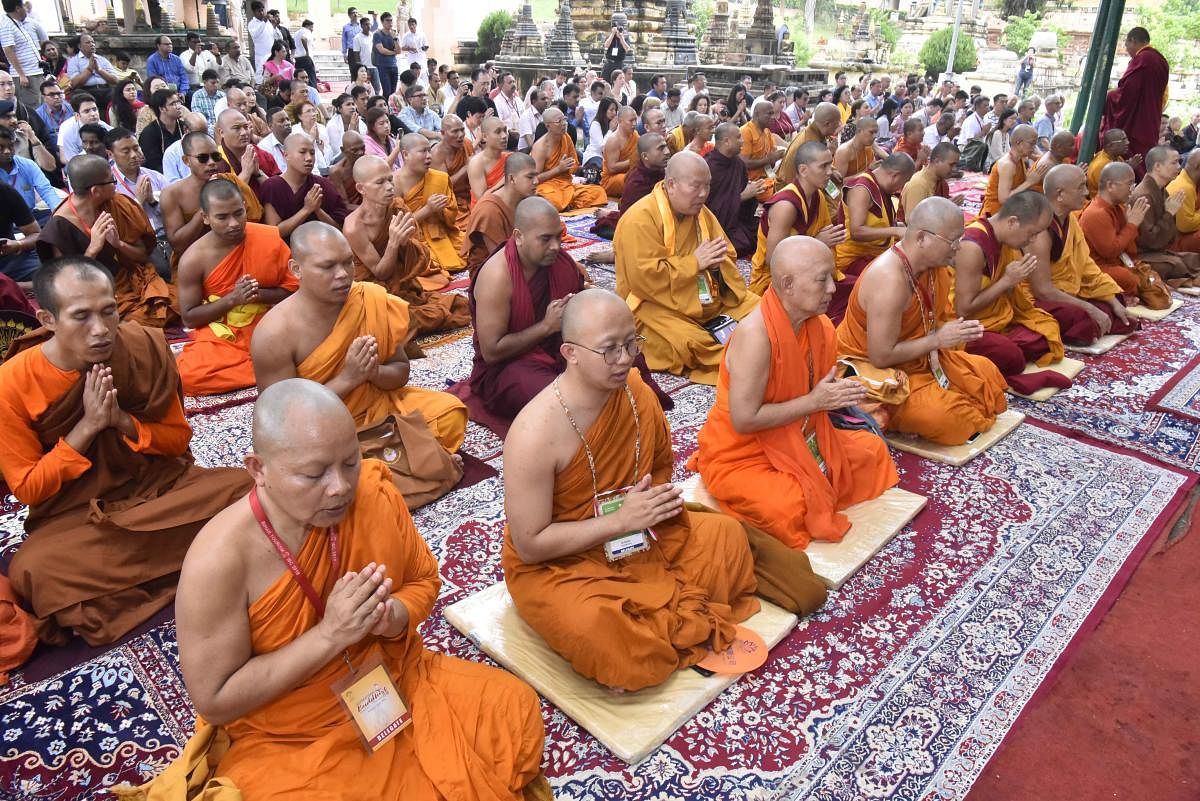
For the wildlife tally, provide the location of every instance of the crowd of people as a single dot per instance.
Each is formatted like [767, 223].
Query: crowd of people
[304, 246]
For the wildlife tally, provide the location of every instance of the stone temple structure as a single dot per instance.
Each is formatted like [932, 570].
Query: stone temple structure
[523, 41]
[562, 46]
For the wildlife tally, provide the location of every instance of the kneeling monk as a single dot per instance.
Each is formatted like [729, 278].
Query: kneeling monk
[768, 451]
[629, 617]
[96, 444]
[900, 316]
[288, 588]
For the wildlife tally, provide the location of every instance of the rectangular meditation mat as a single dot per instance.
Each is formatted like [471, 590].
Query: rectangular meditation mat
[1064, 366]
[1152, 314]
[631, 724]
[958, 455]
[1102, 345]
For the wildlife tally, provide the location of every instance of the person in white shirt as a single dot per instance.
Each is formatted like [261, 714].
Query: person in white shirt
[346, 117]
[412, 46]
[936, 134]
[196, 59]
[975, 126]
[449, 91]
[281, 129]
[364, 43]
[174, 167]
[86, 111]
[19, 38]
[531, 118]
[586, 111]
[629, 90]
[262, 36]
[698, 86]
[303, 52]
[508, 102]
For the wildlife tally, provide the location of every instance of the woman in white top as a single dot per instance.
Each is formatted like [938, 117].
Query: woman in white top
[345, 118]
[998, 139]
[602, 126]
[304, 115]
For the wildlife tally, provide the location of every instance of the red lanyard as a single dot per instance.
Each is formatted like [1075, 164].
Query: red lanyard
[124, 182]
[87, 229]
[297, 574]
[923, 297]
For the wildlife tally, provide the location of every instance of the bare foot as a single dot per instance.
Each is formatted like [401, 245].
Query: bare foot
[603, 256]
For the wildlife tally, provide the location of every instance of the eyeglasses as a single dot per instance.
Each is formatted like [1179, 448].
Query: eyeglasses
[612, 354]
[204, 158]
[953, 243]
[113, 182]
[53, 93]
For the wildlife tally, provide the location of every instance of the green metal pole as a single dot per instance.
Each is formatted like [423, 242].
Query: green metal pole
[1093, 58]
[1091, 126]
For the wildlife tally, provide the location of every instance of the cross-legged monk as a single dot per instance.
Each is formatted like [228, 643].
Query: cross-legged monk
[1110, 224]
[1114, 147]
[96, 444]
[1187, 216]
[428, 196]
[299, 195]
[823, 127]
[491, 222]
[248, 160]
[731, 195]
[900, 317]
[1162, 243]
[1012, 173]
[227, 281]
[554, 155]
[991, 286]
[288, 588]
[932, 180]
[759, 151]
[389, 252]
[856, 155]
[768, 451]
[349, 336]
[1061, 151]
[801, 207]
[451, 155]
[620, 152]
[485, 170]
[667, 597]
[676, 271]
[100, 224]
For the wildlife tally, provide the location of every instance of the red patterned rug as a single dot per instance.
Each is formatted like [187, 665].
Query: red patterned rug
[1180, 395]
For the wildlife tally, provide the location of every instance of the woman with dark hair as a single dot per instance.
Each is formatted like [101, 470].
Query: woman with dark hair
[145, 114]
[888, 110]
[471, 110]
[605, 121]
[737, 106]
[124, 108]
[277, 64]
[825, 96]
[858, 108]
[700, 103]
[842, 98]
[998, 139]
[53, 64]
[781, 124]
[637, 103]
[379, 140]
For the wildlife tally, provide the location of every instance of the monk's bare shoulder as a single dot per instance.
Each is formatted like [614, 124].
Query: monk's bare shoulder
[198, 257]
[884, 285]
[493, 275]
[541, 429]
[217, 557]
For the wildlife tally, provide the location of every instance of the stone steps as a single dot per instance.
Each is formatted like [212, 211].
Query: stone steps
[331, 67]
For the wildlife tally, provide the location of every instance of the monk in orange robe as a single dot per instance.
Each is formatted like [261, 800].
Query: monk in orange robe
[98, 223]
[261, 646]
[856, 155]
[620, 153]
[1111, 223]
[768, 451]
[452, 155]
[823, 127]
[491, 221]
[1012, 173]
[900, 318]
[96, 444]
[556, 161]
[759, 150]
[227, 281]
[350, 337]
[428, 196]
[485, 170]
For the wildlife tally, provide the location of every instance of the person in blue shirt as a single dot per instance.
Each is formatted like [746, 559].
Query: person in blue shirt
[349, 31]
[27, 178]
[53, 111]
[166, 65]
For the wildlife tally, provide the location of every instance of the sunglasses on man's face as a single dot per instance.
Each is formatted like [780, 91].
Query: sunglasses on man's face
[204, 158]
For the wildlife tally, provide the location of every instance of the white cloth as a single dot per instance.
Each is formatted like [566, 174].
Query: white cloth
[509, 110]
[69, 143]
[79, 62]
[336, 129]
[320, 147]
[128, 188]
[933, 138]
[262, 36]
[530, 119]
[303, 43]
[241, 69]
[173, 166]
[205, 60]
[364, 44]
[412, 49]
[596, 139]
[273, 146]
[972, 128]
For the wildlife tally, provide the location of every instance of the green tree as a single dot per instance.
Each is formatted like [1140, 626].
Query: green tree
[888, 30]
[1174, 27]
[936, 52]
[1018, 31]
[491, 32]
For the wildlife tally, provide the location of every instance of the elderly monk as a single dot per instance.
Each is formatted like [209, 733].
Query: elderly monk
[620, 152]
[1111, 225]
[1187, 215]
[349, 336]
[452, 155]
[991, 285]
[96, 444]
[97, 222]
[227, 281]
[1114, 147]
[769, 452]
[759, 151]
[731, 196]
[491, 222]
[341, 174]
[932, 180]
[485, 170]
[676, 270]
[856, 155]
[1061, 151]
[598, 436]
[389, 252]
[900, 317]
[298, 195]
[261, 644]
[823, 127]
[427, 194]
[554, 155]
[800, 207]
[235, 138]
[1011, 173]
[912, 141]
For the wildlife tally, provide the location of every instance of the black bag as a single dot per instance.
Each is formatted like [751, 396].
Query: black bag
[973, 156]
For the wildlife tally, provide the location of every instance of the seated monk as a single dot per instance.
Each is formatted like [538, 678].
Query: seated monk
[97, 222]
[451, 155]
[1114, 147]
[428, 196]
[677, 272]
[235, 139]
[597, 430]
[1067, 283]
[856, 155]
[1011, 173]
[990, 285]
[620, 152]
[932, 180]
[227, 281]
[341, 174]
[912, 142]
[652, 154]
[1061, 151]
[1110, 225]
[731, 195]
[1162, 242]
[823, 127]
[869, 212]
[298, 195]
[900, 317]
[491, 222]
[349, 336]
[96, 444]
[801, 207]
[768, 451]
[695, 133]
[389, 252]
[485, 169]
[759, 150]
[554, 155]
[260, 645]
[1187, 216]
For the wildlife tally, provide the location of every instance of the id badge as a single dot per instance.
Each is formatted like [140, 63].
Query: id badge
[373, 702]
[935, 365]
[705, 290]
[815, 450]
[622, 545]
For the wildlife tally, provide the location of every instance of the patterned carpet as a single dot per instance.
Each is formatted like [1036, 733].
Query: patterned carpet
[1181, 394]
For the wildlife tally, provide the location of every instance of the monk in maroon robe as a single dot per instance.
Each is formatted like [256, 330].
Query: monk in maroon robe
[653, 152]
[298, 196]
[730, 197]
[1136, 105]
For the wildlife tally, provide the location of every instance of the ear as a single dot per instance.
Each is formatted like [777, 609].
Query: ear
[294, 267]
[254, 466]
[45, 318]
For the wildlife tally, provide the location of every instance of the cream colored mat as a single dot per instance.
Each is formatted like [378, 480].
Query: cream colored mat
[959, 455]
[1194, 291]
[1064, 366]
[631, 724]
[1152, 314]
[1102, 345]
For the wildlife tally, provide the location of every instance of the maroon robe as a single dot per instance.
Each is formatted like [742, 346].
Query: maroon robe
[638, 183]
[1136, 105]
[737, 216]
[278, 192]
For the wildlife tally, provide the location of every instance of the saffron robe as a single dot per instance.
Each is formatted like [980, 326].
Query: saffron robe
[947, 416]
[278, 192]
[614, 182]
[560, 191]
[1187, 219]
[634, 622]
[107, 528]
[861, 161]
[758, 143]
[1094, 168]
[771, 478]
[254, 214]
[738, 218]
[142, 295]
[657, 276]
[369, 309]
[461, 187]
[922, 185]
[991, 195]
[218, 357]
[1136, 105]
[1074, 271]
[440, 231]
[488, 228]
[911, 149]
[812, 214]
[1109, 235]
[786, 172]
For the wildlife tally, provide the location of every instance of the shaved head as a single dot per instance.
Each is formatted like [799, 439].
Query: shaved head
[826, 113]
[1062, 144]
[295, 140]
[313, 237]
[1023, 133]
[802, 270]
[552, 114]
[451, 120]
[1059, 177]
[367, 167]
[685, 164]
[809, 152]
[515, 163]
[726, 130]
[1112, 135]
[288, 415]
[195, 121]
[86, 171]
[796, 255]
[589, 313]
[218, 191]
[936, 214]
[1114, 172]
[491, 124]
[412, 141]
[534, 210]
[646, 143]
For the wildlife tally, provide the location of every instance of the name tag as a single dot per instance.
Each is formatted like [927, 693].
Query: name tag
[815, 450]
[622, 545]
[373, 702]
[935, 364]
[705, 289]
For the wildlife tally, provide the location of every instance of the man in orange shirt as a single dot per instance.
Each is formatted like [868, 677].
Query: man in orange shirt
[758, 147]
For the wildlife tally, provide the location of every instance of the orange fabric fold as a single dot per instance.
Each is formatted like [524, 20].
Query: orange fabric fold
[614, 182]
[560, 190]
[991, 195]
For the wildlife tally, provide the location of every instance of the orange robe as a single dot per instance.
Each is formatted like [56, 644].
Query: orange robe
[476, 731]
[786, 173]
[1094, 168]
[614, 182]
[770, 478]
[991, 195]
[634, 622]
[440, 231]
[560, 191]
[861, 161]
[218, 357]
[758, 143]
[1110, 235]
[812, 214]
[370, 310]
[948, 416]
[461, 187]
[489, 227]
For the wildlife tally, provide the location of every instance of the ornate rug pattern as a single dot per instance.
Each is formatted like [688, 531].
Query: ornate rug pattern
[1180, 396]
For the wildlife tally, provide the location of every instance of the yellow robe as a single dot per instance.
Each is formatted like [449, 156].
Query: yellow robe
[851, 252]
[440, 231]
[758, 143]
[614, 182]
[1187, 219]
[1076, 272]
[786, 173]
[816, 219]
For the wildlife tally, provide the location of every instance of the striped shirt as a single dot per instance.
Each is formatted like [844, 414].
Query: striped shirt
[22, 37]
